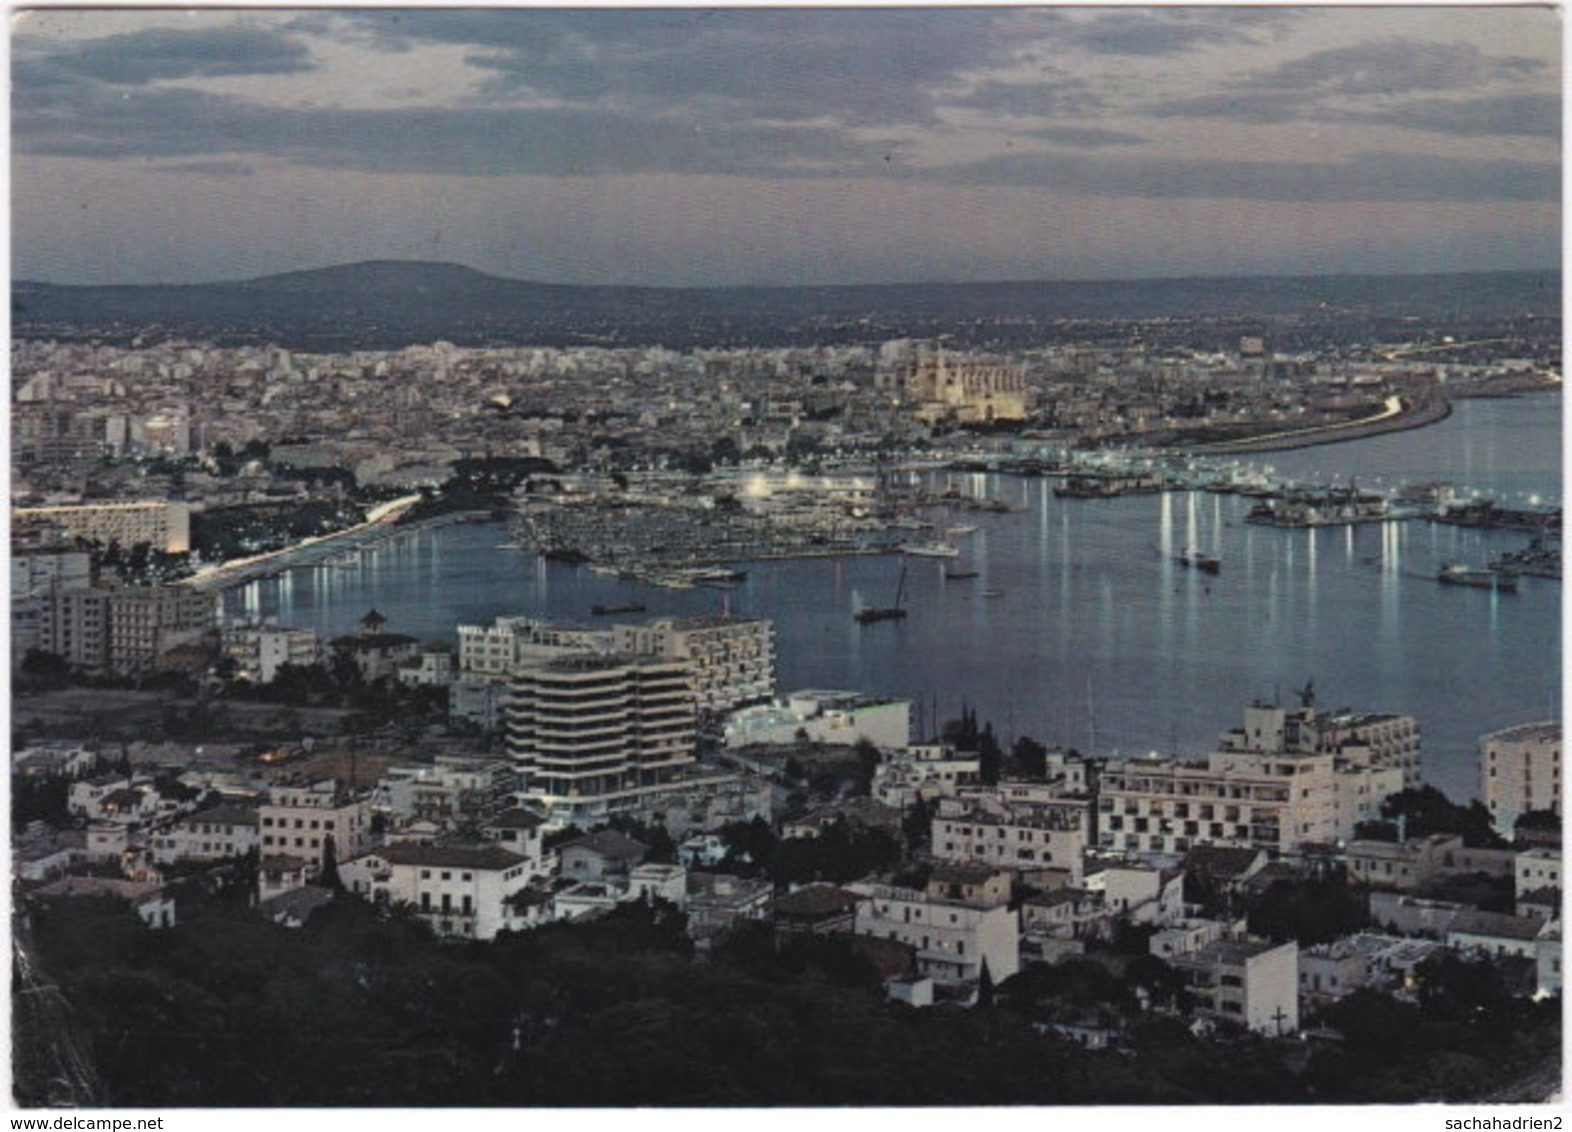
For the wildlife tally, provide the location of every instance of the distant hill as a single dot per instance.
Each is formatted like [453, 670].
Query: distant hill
[386, 304]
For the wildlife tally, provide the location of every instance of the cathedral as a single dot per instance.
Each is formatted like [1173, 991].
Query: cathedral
[966, 390]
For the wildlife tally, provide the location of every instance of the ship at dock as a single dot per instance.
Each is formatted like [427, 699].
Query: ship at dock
[1486, 578]
[1328, 507]
[1108, 485]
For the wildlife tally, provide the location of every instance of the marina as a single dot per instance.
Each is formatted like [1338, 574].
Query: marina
[1172, 650]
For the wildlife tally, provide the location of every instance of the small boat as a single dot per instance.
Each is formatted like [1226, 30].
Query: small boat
[1499, 581]
[963, 529]
[1195, 560]
[607, 610]
[993, 593]
[718, 574]
[929, 550]
[959, 575]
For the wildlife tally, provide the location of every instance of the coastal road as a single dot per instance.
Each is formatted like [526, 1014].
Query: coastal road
[238, 571]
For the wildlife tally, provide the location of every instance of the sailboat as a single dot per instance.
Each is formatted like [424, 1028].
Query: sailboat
[874, 613]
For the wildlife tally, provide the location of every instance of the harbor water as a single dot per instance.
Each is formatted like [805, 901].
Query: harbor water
[1081, 627]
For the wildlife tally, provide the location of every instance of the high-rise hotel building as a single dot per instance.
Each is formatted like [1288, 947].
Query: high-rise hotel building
[591, 735]
[1520, 771]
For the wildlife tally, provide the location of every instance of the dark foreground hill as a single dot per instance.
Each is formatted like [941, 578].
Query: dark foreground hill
[389, 304]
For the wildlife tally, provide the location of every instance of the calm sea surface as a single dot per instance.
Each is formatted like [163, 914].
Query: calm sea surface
[1080, 628]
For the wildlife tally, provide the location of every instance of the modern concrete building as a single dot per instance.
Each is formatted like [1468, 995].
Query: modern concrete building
[590, 735]
[261, 650]
[123, 629]
[1251, 983]
[834, 717]
[1274, 784]
[731, 661]
[923, 771]
[1520, 771]
[953, 939]
[208, 835]
[162, 524]
[1015, 836]
[1367, 739]
[298, 820]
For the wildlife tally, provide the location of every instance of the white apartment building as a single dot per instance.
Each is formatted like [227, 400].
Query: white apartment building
[1039, 835]
[208, 835]
[1374, 739]
[297, 820]
[261, 650]
[1535, 870]
[1146, 895]
[1358, 791]
[1233, 799]
[731, 660]
[837, 718]
[1282, 780]
[447, 788]
[162, 524]
[433, 667]
[953, 940]
[592, 735]
[1520, 771]
[1251, 983]
[925, 771]
[459, 891]
[495, 651]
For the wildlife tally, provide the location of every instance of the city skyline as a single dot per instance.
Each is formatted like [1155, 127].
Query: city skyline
[688, 148]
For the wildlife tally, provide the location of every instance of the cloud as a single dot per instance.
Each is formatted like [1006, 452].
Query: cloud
[138, 58]
[1375, 176]
[469, 141]
[1517, 115]
[1087, 137]
[1320, 86]
[1046, 98]
[1167, 32]
[1386, 67]
[215, 168]
[858, 67]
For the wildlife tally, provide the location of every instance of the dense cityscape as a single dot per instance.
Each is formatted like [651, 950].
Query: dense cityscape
[530, 778]
[433, 688]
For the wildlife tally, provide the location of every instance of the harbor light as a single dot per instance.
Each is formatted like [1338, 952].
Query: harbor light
[757, 487]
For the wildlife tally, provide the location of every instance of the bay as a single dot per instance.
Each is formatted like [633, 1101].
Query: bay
[1081, 629]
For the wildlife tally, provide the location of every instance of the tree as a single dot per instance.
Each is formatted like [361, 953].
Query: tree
[868, 759]
[46, 669]
[1028, 759]
[917, 823]
[1426, 810]
[329, 877]
[990, 758]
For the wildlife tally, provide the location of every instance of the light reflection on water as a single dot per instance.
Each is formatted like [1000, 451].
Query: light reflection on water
[1094, 626]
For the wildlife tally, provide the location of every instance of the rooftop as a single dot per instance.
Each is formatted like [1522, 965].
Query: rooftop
[483, 857]
[1525, 732]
